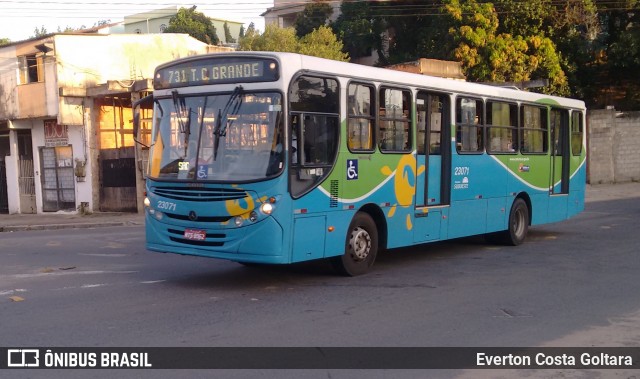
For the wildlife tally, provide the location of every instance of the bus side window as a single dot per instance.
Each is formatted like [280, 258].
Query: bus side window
[361, 117]
[469, 126]
[320, 136]
[533, 124]
[502, 127]
[394, 132]
[577, 131]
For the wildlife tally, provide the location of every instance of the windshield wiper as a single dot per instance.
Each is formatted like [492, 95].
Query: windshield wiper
[221, 128]
[201, 127]
[180, 106]
[216, 134]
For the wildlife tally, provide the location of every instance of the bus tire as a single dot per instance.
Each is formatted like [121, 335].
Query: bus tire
[517, 228]
[361, 247]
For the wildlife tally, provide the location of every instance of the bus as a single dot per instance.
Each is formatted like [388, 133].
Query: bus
[276, 158]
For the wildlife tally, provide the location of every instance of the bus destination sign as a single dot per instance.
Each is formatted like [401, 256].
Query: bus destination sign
[216, 71]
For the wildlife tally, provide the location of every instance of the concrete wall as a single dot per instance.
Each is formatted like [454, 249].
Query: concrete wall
[85, 61]
[8, 82]
[11, 164]
[614, 146]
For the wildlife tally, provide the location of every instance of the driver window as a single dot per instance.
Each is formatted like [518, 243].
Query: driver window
[314, 123]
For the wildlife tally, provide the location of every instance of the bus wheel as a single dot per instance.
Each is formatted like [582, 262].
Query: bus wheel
[361, 247]
[518, 226]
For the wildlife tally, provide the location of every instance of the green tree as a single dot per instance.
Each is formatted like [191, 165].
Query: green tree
[572, 25]
[39, 32]
[416, 29]
[241, 34]
[4, 41]
[360, 30]
[321, 42]
[194, 23]
[314, 15]
[249, 38]
[274, 38]
[81, 27]
[487, 55]
[526, 17]
[620, 56]
[251, 28]
[227, 34]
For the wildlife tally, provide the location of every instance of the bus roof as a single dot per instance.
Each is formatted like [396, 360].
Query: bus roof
[293, 62]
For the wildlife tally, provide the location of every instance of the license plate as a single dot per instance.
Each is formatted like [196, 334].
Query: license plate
[195, 234]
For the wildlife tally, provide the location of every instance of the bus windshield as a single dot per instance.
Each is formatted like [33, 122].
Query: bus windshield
[231, 137]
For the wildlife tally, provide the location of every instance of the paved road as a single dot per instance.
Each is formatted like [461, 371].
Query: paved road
[572, 284]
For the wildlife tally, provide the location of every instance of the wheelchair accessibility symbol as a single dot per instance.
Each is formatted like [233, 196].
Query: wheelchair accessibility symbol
[202, 171]
[352, 169]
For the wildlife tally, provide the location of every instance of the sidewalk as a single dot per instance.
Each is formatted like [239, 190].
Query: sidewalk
[604, 192]
[61, 220]
[67, 220]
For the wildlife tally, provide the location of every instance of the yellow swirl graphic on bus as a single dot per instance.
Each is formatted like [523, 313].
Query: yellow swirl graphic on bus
[404, 184]
[240, 207]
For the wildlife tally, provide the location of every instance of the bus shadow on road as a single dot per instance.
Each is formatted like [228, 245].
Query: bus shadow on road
[474, 247]
[236, 276]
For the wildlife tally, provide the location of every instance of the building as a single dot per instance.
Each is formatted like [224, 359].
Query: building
[66, 141]
[156, 21]
[284, 12]
[432, 67]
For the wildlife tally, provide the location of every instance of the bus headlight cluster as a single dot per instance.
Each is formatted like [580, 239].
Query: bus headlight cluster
[267, 208]
[147, 202]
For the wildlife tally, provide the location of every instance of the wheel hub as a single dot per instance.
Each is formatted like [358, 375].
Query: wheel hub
[360, 243]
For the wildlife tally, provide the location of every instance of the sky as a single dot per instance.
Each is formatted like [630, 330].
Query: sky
[19, 19]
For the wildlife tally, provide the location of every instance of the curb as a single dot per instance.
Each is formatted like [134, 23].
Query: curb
[23, 228]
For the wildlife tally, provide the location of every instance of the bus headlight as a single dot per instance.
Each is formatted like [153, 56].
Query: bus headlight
[147, 202]
[267, 208]
[253, 216]
[159, 215]
[238, 221]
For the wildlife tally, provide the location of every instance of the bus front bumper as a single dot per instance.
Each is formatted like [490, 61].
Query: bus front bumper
[260, 242]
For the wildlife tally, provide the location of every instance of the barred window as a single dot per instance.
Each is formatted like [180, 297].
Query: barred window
[469, 125]
[395, 120]
[430, 115]
[534, 129]
[577, 132]
[361, 119]
[502, 127]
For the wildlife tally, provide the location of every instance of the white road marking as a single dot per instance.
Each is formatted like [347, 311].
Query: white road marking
[63, 273]
[103, 255]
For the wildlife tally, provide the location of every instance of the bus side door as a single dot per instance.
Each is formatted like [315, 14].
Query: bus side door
[433, 153]
[559, 175]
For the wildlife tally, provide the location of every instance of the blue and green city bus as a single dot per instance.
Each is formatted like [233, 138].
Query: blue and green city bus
[261, 157]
